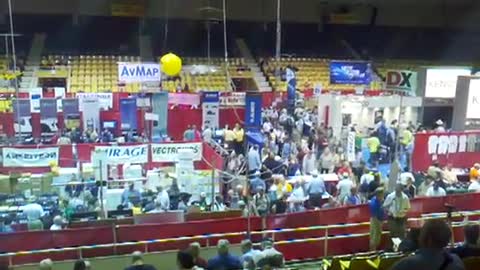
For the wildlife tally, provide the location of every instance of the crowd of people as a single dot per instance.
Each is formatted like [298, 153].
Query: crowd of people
[267, 257]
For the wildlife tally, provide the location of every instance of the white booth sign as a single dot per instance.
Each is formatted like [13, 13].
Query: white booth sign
[168, 152]
[22, 157]
[138, 72]
[132, 154]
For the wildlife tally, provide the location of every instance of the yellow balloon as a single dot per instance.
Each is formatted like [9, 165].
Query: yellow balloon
[171, 64]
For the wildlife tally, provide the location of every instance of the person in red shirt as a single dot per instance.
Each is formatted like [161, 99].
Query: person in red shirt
[345, 168]
[197, 134]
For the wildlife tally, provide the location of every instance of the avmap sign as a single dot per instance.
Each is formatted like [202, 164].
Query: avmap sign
[22, 157]
[401, 80]
[138, 72]
[168, 152]
[120, 154]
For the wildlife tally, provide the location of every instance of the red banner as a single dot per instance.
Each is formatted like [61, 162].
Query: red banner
[461, 149]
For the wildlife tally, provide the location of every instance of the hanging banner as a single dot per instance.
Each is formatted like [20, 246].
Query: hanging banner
[160, 108]
[121, 154]
[48, 116]
[59, 95]
[401, 80]
[253, 110]
[210, 109]
[23, 157]
[351, 146]
[22, 116]
[91, 113]
[291, 89]
[232, 99]
[168, 152]
[71, 113]
[183, 99]
[35, 95]
[139, 72]
[128, 113]
[105, 100]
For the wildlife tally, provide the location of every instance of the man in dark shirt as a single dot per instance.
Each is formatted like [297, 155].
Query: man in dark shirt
[224, 260]
[138, 264]
[434, 237]
[470, 247]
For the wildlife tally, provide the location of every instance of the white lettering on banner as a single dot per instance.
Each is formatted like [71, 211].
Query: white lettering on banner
[137, 72]
[401, 80]
[24, 157]
[445, 144]
[168, 152]
[351, 146]
[121, 154]
[104, 99]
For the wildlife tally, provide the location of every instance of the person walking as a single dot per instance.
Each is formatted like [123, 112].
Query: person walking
[397, 205]
[377, 215]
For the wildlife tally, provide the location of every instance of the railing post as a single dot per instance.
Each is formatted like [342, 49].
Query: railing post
[208, 242]
[10, 261]
[325, 243]
[80, 254]
[114, 232]
[273, 237]
[146, 247]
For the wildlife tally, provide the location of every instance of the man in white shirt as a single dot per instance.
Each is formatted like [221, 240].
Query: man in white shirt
[163, 199]
[33, 211]
[343, 187]
[309, 163]
[436, 191]
[57, 224]
[474, 186]
[397, 205]
[249, 252]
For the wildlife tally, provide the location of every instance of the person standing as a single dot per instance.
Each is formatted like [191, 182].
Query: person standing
[238, 142]
[315, 190]
[309, 163]
[397, 205]
[253, 158]
[377, 215]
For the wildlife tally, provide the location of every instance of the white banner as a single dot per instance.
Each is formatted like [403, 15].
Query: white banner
[351, 146]
[121, 154]
[22, 157]
[168, 152]
[232, 99]
[105, 100]
[138, 72]
[210, 115]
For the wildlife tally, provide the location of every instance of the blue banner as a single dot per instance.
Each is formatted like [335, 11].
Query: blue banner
[128, 113]
[350, 72]
[212, 97]
[253, 110]
[160, 108]
[291, 89]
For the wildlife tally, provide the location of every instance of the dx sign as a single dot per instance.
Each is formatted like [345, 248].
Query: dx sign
[401, 79]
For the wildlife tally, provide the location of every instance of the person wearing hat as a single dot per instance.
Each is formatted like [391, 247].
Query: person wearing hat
[344, 186]
[315, 190]
[261, 201]
[439, 127]
[271, 258]
[257, 183]
[377, 215]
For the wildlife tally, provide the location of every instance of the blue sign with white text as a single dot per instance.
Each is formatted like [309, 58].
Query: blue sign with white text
[350, 72]
[253, 110]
